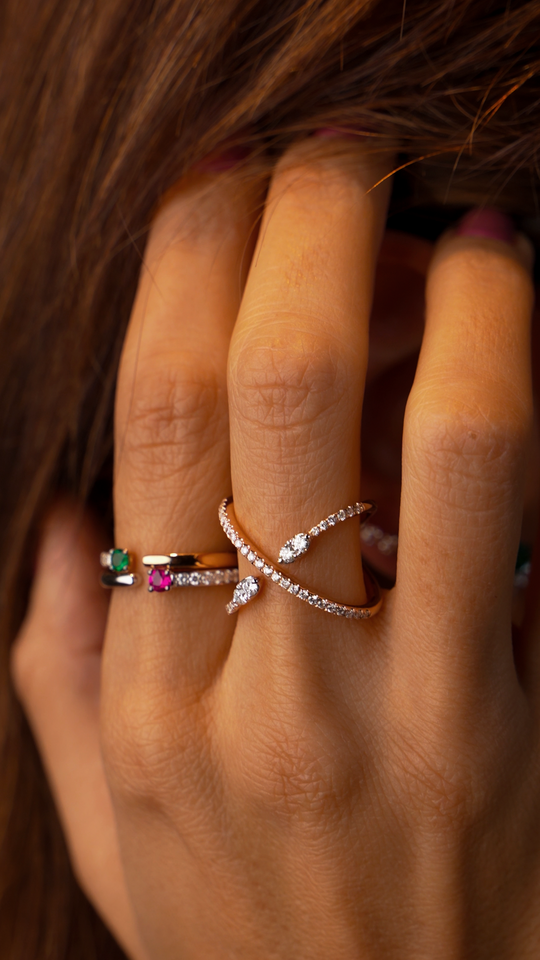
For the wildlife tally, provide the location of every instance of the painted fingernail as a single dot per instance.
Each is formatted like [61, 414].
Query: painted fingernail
[217, 163]
[326, 133]
[487, 222]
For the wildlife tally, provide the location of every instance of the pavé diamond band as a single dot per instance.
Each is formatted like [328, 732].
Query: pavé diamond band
[301, 542]
[166, 571]
[249, 587]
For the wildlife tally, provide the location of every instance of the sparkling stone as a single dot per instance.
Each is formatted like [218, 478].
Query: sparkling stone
[259, 563]
[294, 588]
[350, 511]
[195, 579]
[159, 580]
[342, 515]
[333, 520]
[294, 548]
[321, 603]
[276, 577]
[244, 550]
[303, 594]
[285, 583]
[246, 590]
[238, 544]
[314, 532]
[268, 571]
[251, 556]
[323, 525]
[119, 560]
[312, 599]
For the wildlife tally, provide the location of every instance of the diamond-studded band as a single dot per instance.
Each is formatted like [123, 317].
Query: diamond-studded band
[169, 570]
[163, 579]
[301, 542]
[254, 556]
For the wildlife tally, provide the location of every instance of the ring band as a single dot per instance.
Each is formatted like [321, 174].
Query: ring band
[301, 542]
[244, 593]
[191, 561]
[111, 579]
[163, 579]
[169, 570]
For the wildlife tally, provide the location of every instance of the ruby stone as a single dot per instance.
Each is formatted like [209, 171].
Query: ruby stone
[159, 580]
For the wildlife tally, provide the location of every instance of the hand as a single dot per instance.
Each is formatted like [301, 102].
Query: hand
[285, 783]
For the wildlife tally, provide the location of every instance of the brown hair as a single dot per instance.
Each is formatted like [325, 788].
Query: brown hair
[103, 105]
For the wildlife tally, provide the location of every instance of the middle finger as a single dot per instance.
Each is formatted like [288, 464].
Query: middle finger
[298, 360]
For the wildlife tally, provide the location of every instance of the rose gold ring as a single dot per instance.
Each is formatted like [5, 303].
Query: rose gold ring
[249, 587]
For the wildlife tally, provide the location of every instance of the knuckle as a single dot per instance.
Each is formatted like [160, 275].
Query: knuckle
[279, 383]
[290, 771]
[467, 435]
[175, 417]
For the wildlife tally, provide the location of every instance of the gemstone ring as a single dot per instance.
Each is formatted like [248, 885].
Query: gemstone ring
[169, 570]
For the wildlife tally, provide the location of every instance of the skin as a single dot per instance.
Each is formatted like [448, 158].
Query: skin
[283, 783]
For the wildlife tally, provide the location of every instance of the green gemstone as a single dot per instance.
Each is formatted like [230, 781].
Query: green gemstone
[119, 560]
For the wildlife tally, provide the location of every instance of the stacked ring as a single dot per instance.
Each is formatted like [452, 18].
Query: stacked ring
[166, 571]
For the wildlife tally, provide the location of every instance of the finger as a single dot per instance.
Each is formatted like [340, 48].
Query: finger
[172, 431]
[466, 435]
[56, 668]
[298, 360]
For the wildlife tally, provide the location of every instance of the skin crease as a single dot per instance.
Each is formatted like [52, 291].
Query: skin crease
[285, 784]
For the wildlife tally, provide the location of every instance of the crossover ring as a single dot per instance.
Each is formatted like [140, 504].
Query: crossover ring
[249, 587]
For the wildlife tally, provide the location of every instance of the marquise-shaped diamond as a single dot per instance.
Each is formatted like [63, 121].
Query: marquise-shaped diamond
[294, 548]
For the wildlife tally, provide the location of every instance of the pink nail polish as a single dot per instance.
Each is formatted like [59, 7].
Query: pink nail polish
[487, 222]
[216, 163]
[326, 133]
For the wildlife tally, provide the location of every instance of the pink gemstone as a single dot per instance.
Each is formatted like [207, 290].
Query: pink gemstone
[159, 580]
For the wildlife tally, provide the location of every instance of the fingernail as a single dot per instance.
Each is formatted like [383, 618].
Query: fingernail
[487, 222]
[325, 133]
[223, 161]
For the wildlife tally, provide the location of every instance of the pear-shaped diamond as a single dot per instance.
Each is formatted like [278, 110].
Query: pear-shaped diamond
[246, 590]
[294, 548]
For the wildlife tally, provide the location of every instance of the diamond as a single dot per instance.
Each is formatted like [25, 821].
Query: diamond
[268, 571]
[238, 544]
[246, 590]
[312, 599]
[342, 515]
[285, 583]
[294, 548]
[323, 525]
[303, 594]
[259, 563]
[276, 577]
[333, 519]
[314, 532]
[294, 588]
[244, 550]
[251, 556]
[350, 511]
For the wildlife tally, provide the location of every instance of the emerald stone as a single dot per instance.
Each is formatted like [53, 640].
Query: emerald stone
[119, 560]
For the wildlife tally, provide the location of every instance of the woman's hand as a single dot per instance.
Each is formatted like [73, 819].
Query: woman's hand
[286, 783]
